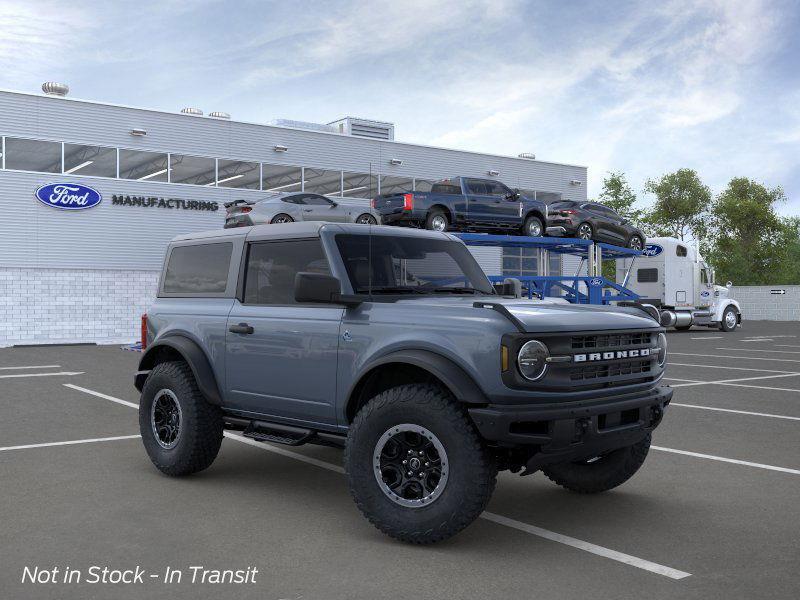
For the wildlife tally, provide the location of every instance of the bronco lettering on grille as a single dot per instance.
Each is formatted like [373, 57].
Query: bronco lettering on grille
[611, 355]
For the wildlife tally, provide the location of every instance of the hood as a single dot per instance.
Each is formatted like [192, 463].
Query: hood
[543, 316]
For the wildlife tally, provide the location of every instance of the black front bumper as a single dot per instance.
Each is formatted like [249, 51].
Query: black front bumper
[558, 433]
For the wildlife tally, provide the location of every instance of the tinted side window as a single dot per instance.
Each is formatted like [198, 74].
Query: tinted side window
[476, 186]
[647, 275]
[294, 199]
[198, 269]
[315, 200]
[272, 266]
[681, 251]
[446, 188]
[495, 188]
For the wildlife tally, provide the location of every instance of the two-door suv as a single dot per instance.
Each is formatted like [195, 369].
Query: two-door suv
[392, 344]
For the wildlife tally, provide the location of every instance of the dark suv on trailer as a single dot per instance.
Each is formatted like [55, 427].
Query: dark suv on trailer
[593, 221]
[392, 344]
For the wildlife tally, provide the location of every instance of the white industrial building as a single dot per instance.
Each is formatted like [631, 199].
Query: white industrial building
[70, 276]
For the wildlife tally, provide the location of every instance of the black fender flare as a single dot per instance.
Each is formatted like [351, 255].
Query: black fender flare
[458, 381]
[194, 356]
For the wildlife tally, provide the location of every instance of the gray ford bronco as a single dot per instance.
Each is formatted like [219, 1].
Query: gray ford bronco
[392, 344]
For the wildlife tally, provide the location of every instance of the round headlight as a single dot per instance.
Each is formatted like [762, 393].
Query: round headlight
[662, 349]
[531, 360]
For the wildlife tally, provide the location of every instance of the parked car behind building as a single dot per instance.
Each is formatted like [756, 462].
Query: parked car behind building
[296, 206]
[592, 221]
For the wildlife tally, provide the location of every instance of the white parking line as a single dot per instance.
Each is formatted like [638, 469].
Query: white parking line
[739, 412]
[17, 375]
[758, 340]
[70, 442]
[708, 337]
[786, 346]
[499, 519]
[31, 367]
[738, 357]
[587, 546]
[99, 395]
[756, 350]
[726, 381]
[673, 364]
[727, 460]
[761, 387]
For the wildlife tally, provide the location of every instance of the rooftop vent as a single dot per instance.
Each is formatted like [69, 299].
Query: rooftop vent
[303, 125]
[219, 115]
[192, 111]
[527, 155]
[376, 130]
[51, 88]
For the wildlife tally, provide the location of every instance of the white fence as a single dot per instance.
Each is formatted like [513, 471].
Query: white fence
[768, 303]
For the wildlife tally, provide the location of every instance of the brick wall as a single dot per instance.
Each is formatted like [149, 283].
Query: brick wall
[51, 306]
[759, 304]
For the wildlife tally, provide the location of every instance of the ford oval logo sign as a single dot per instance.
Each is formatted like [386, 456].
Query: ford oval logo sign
[652, 250]
[596, 282]
[68, 196]
[705, 294]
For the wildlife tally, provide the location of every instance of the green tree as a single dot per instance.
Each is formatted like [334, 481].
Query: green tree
[618, 195]
[749, 243]
[681, 205]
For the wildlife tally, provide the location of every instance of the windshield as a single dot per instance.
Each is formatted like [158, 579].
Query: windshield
[383, 264]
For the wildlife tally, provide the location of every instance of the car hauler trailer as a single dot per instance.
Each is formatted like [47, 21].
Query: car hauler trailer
[672, 276]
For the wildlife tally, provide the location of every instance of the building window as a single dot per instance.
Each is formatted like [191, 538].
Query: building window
[280, 178]
[396, 185]
[321, 181]
[359, 185]
[237, 174]
[96, 161]
[143, 166]
[33, 155]
[194, 170]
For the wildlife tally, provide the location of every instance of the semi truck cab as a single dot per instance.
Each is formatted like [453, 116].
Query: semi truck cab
[671, 275]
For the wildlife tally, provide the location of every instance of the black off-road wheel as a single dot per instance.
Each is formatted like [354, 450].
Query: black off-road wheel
[416, 467]
[601, 473]
[181, 432]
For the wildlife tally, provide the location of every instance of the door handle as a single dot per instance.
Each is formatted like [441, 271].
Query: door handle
[242, 328]
[307, 209]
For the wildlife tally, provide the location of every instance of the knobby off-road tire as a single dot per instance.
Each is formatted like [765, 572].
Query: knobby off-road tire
[471, 471]
[603, 474]
[199, 428]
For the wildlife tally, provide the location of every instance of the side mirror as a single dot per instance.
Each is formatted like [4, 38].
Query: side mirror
[334, 204]
[729, 285]
[316, 287]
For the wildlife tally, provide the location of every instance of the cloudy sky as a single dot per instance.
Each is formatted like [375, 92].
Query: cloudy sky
[641, 87]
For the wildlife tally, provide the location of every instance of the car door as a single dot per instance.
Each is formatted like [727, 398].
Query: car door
[505, 206]
[480, 203]
[319, 208]
[600, 219]
[280, 355]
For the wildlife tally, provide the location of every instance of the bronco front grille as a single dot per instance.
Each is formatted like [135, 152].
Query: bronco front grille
[602, 371]
[614, 340]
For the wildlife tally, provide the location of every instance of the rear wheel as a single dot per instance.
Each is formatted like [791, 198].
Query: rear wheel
[600, 473]
[181, 432]
[729, 320]
[584, 231]
[367, 219]
[416, 466]
[635, 243]
[282, 218]
[533, 227]
[437, 220]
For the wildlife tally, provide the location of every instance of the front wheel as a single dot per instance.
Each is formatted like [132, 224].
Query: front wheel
[729, 320]
[416, 466]
[367, 219]
[180, 430]
[533, 227]
[600, 473]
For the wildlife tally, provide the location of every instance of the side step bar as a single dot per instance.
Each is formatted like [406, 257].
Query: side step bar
[279, 433]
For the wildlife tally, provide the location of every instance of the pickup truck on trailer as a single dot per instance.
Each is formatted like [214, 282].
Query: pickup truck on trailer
[465, 203]
[392, 344]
